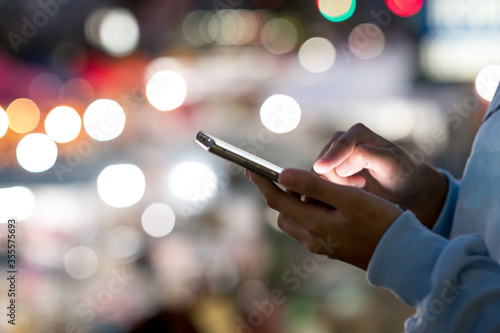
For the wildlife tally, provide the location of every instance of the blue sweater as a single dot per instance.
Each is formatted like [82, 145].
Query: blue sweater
[451, 274]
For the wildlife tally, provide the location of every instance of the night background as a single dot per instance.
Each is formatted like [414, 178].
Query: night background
[127, 225]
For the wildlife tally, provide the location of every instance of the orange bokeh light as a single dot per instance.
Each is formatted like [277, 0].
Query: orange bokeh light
[24, 115]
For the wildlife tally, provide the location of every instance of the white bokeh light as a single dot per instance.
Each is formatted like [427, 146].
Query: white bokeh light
[280, 113]
[17, 202]
[158, 220]
[166, 90]
[80, 262]
[36, 152]
[396, 120]
[63, 124]
[193, 181]
[119, 32]
[4, 122]
[487, 82]
[104, 120]
[317, 55]
[121, 185]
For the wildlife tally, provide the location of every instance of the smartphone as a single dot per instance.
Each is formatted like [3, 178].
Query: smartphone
[238, 156]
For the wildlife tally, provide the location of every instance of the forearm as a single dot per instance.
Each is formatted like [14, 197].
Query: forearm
[454, 285]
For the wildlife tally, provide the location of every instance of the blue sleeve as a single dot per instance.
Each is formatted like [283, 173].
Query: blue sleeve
[445, 220]
[454, 285]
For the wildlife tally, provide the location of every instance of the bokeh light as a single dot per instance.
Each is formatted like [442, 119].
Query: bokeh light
[396, 120]
[124, 242]
[166, 90]
[80, 262]
[4, 122]
[317, 55]
[18, 202]
[23, 115]
[63, 124]
[121, 185]
[279, 36]
[487, 81]
[93, 24]
[45, 86]
[280, 113]
[404, 8]
[119, 32]
[104, 120]
[36, 152]
[193, 182]
[366, 41]
[158, 220]
[191, 28]
[336, 10]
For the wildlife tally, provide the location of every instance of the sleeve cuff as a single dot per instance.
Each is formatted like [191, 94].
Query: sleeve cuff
[404, 259]
[444, 222]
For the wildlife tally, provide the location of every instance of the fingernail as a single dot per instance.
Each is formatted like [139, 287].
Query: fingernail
[286, 178]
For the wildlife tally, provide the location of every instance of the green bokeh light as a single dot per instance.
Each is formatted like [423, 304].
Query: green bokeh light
[338, 18]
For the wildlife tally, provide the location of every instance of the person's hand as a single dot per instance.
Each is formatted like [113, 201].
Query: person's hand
[361, 158]
[349, 232]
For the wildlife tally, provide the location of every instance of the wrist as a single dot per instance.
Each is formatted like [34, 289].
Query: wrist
[429, 202]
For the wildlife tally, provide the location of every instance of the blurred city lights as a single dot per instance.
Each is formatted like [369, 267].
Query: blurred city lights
[193, 181]
[119, 32]
[279, 36]
[336, 10]
[317, 55]
[396, 120]
[124, 242]
[366, 41]
[45, 86]
[121, 185]
[487, 82]
[158, 220]
[404, 8]
[4, 122]
[80, 262]
[104, 120]
[18, 202]
[78, 88]
[166, 90]
[191, 28]
[23, 115]
[36, 152]
[280, 113]
[92, 26]
[63, 124]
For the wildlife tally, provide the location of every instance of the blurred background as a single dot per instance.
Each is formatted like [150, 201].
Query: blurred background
[127, 225]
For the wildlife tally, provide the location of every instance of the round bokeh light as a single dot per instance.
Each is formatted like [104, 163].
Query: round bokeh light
[121, 185]
[280, 113]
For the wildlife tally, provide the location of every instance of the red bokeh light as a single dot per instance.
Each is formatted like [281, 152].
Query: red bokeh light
[404, 8]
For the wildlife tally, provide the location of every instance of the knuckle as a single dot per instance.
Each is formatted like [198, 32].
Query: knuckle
[272, 202]
[281, 221]
[311, 188]
[359, 127]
